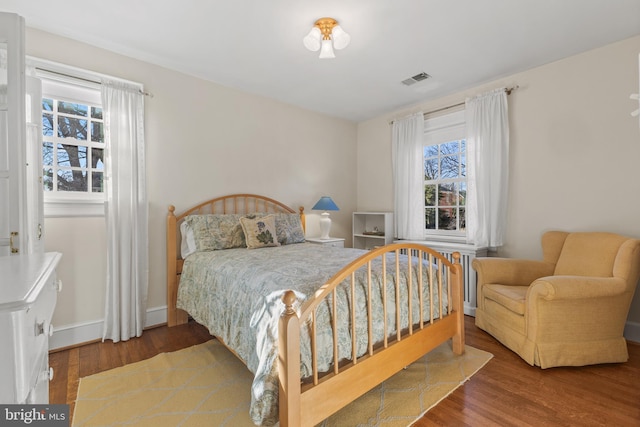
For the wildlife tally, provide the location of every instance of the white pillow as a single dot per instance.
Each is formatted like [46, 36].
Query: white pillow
[188, 244]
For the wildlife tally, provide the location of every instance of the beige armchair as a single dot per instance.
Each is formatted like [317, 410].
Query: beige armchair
[568, 309]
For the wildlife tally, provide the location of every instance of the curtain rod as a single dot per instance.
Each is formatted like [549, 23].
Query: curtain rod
[149, 94]
[459, 104]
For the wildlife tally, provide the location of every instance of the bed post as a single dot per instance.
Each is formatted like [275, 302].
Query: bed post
[289, 363]
[458, 306]
[303, 219]
[174, 316]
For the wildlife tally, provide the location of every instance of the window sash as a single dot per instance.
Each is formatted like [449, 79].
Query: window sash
[440, 130]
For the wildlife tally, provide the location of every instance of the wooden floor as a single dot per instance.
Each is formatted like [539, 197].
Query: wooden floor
[505, 392]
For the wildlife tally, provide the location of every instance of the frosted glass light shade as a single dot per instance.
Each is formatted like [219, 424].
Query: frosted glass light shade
[326, 50]
[340, 38]
[312, 40]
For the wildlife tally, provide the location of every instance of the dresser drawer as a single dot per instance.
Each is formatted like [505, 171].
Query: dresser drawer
[32, 328]
[39, 391]
[26, 309]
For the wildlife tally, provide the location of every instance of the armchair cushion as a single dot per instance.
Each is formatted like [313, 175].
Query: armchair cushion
[588, 254]
[511, 297]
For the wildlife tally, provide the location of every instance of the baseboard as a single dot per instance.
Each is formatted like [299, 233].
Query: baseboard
[632, 331]
[80, 333]
[469, 310]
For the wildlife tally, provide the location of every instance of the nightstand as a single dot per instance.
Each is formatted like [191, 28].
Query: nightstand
[336, 242]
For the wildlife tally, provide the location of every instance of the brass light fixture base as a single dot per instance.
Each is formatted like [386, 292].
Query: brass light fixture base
[326, 26]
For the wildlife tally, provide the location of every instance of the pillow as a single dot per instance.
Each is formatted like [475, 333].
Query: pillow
[216, 231]
[260, 232]
[289, 228]
[188, 243]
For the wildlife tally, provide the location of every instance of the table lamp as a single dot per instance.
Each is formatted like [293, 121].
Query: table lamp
[325, 204]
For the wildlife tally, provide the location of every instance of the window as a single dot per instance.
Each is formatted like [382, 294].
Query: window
[445, 180]
[73, 146]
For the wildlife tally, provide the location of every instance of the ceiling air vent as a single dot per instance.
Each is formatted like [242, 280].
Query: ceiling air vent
[415, 79]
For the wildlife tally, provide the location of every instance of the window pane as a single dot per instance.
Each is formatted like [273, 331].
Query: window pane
[72, 156]
[430, 169]
[449, 148]
[47, 179]
[463, 164]
[47, 125]
[70, 127]
[447, 195]
[431, 151]
[430, 195]
[430, 219]
[463, 219]
[97, 158]
[69, 180]
[47, 154]
[97, 182]
[71, 108]
[47, 104]
[462, 194]
[447, 219]
[97, 134]
[96, 113]
[450, 166]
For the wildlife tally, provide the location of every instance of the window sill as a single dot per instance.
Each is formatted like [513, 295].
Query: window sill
[73, 208]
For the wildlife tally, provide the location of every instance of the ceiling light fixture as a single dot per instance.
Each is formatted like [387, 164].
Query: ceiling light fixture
[324, 32]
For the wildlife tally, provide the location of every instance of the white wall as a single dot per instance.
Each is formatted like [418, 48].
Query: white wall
[573, 156]
[203, 140]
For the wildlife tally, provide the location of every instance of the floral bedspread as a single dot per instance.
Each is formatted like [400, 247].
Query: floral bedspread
[236, 293]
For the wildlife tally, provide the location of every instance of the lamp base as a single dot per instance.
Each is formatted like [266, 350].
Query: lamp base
[325, 225]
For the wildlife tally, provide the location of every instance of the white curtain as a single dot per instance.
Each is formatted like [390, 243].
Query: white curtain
[408, 176]
[126, 211]
[487, 168]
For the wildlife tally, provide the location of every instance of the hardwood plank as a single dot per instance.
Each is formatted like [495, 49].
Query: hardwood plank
[506, 392]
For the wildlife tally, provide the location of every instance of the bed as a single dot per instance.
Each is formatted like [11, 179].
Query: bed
[318, 326]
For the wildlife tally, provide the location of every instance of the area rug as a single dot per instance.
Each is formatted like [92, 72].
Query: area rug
[206, 385]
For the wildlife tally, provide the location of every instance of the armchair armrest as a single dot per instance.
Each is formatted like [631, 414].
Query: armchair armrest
[510, 271]
[574, 308]
[576, 287]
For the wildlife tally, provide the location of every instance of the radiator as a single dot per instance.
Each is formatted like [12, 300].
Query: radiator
[467, 254]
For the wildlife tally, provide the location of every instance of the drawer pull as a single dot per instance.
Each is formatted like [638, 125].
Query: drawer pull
[42, 328]
[58, 285]
[46, 375]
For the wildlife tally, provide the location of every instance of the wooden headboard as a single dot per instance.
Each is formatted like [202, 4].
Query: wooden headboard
[231, 204]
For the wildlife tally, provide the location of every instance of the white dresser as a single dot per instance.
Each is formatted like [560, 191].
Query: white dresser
[28, 293]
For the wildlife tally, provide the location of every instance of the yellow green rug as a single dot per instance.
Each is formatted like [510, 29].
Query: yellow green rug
[206, 385]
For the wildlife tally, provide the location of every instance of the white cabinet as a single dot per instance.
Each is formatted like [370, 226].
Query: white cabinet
[372, 229]
[28, 294]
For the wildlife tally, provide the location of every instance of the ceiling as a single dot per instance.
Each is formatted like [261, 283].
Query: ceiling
[256, 45]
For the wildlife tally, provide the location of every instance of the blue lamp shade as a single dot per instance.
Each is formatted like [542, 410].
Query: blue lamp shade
[325, 204]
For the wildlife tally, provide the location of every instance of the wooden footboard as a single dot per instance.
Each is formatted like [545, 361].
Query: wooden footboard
[308, 403]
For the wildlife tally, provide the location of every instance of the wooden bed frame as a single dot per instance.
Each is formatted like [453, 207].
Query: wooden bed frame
[308, 403]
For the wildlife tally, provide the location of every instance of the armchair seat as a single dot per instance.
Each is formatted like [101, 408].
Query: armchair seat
[568, 309]
[511, 297]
